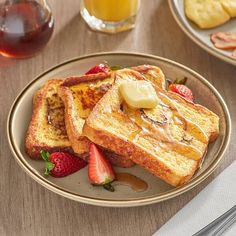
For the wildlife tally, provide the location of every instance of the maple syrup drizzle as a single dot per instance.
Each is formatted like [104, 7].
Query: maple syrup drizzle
[161, 130]
[55, 113]
[132, 181]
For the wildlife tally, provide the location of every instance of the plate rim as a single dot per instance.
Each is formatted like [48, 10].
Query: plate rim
[119, 203]
[200, 43]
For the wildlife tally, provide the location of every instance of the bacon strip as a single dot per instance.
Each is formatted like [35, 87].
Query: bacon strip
[224, 40]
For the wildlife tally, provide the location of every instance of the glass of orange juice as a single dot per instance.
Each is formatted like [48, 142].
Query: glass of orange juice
[110, 16]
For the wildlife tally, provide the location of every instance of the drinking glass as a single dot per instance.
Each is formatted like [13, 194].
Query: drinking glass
[110, 16]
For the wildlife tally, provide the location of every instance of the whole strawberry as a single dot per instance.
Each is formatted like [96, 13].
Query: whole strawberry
[182, 90]
[61, 164]
[98, 68]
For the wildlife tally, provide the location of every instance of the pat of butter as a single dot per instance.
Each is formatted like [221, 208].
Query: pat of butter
[139, 94]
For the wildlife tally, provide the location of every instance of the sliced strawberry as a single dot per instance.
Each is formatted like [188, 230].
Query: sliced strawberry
[100, 171]
[182, 90]
[98, 68]
[61, 164]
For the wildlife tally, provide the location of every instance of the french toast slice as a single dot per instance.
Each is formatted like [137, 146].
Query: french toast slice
[47, 127]
[167, 140]
[80, 95]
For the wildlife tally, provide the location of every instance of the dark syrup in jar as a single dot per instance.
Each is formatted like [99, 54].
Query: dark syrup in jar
[25, 28]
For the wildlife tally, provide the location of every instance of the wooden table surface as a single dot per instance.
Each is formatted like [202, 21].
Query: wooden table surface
[26, 208]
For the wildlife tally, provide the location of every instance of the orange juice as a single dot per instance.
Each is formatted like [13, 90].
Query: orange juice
[112, 10]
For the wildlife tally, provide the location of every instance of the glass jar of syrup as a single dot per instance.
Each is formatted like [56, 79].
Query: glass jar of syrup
[25, 27]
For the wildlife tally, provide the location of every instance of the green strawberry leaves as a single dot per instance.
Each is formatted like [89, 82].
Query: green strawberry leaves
[109, 187]
[48, 165]
[176, 81]
[180, 81]
[116, 67]
[45, 155]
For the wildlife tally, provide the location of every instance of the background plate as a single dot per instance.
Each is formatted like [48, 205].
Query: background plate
[199, 36]
[76, 186]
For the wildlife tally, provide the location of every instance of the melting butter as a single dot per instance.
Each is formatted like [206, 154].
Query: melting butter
[139, 94]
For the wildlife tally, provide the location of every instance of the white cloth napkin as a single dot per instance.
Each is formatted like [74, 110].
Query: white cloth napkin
[214, 200]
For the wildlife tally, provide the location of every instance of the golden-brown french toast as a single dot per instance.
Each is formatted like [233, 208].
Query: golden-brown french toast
[167, 140]
[80, 95]
[47, 130]
[47, 127]
[198, 114]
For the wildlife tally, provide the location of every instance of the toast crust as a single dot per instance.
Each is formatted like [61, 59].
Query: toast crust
[71, 81]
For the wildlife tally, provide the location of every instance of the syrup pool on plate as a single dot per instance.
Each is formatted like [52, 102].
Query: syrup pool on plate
[25, 28]
[132, 181]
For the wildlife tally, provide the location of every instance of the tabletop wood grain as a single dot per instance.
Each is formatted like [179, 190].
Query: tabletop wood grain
[26, 208]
